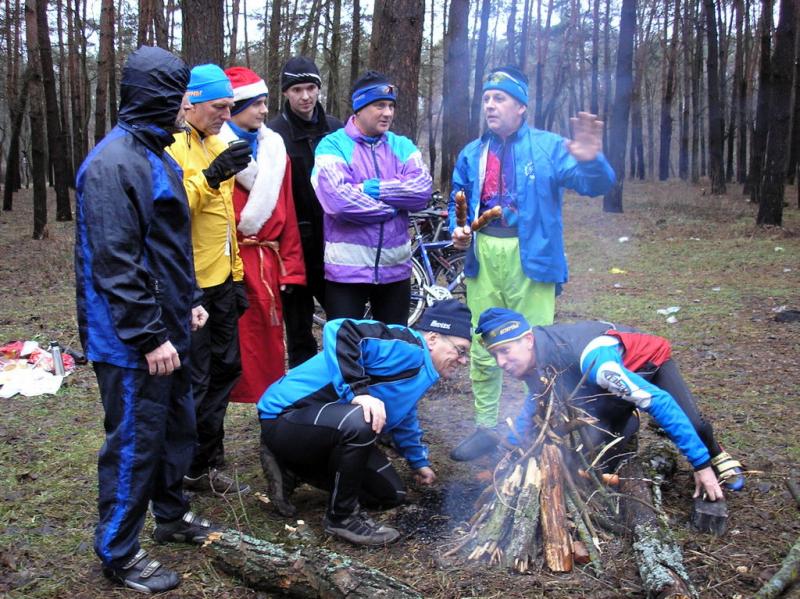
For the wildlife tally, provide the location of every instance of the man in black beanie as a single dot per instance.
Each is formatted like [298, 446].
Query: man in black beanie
[301, 124]
[320, 421]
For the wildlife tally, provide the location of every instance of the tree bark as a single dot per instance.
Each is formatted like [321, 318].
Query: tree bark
[666, 98]
[758, 141]
[736, 89]
[511, 34]
[396, 50]
[55, 136]
[788, 574]
[12, 181]
[332, 58]
[770, 206]
[203, 32]
[273, 64]
[683, 153]
[36, 119]
[355, 47]
[104, 66]
[455, 97]
[697, 72]
[480, 68]
[303, 571]
[594, 93]
[612, 202]
[715, 118]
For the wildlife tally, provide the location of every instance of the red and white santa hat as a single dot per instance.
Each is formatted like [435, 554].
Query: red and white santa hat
[247, 86]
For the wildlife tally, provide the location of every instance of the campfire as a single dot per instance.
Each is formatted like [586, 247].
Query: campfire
[548, 506]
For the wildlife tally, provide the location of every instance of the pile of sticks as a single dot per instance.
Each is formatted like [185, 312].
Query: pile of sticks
[548, 506]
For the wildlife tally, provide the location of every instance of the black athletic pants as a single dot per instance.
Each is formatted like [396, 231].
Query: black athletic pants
[389, 302]
[298, 316]
[330, 446]
[216, 366]
[150, 438]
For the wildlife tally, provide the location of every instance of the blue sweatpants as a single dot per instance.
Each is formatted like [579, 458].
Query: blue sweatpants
[150, 439]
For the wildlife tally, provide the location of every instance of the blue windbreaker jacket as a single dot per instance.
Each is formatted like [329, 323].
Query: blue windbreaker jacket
[390, 362]
[135, 281]
[543, 169]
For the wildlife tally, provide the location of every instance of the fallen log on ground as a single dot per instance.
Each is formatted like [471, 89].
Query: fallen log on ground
[787, 575]
[658, 557]
[302, 571]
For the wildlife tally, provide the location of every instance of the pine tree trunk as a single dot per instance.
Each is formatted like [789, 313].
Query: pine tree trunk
[273, 63]
[758, 141]
[480, 66]
[396, 50]
[715, 117]
[455, 97]
[203, 32]
[666, 99]
[770, 206]
[612, 202]
[355, 47]
[36, 119]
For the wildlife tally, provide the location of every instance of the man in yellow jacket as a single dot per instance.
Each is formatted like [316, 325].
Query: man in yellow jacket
[208, 167]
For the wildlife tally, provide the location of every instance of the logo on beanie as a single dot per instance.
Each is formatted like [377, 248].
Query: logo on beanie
[441, 325]
[507, 328]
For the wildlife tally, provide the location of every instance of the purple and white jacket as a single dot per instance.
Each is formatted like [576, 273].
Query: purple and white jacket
[367, 186]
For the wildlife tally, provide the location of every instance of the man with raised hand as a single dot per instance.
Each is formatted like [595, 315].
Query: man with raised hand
[518, 261]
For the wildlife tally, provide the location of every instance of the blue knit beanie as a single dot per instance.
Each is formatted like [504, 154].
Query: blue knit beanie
[371, 87]
[208, 82]
[500, 325]
[447, 317]
[510, 80]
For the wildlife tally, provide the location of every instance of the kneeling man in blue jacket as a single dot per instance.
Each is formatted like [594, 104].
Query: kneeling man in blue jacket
[320, 422]
[628, 371]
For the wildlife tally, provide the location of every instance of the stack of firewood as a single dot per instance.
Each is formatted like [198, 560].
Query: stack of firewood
[547, 505]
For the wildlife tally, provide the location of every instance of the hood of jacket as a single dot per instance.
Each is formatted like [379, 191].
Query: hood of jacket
[152, 88]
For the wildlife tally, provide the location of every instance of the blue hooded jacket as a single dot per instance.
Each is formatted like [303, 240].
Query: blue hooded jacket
[543, 169]
[135, 280]
[390, 362]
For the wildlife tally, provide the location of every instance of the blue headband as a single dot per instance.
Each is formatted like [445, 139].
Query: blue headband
[373, 93]
[513, 86]
[501, 325]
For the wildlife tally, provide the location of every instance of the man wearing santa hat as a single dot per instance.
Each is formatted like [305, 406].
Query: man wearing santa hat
[267, 234]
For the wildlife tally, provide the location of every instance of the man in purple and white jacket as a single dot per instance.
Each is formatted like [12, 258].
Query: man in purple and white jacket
[367, 179]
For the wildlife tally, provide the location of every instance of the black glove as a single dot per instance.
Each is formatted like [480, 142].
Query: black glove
[241, 297]
[228, 163]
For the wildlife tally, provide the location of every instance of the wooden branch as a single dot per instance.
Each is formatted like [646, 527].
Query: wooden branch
[302, 571]
[555, 538]
[521, 549]
[788, 574]
[585, 536]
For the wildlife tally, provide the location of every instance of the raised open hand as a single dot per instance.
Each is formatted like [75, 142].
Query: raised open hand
[587, 137]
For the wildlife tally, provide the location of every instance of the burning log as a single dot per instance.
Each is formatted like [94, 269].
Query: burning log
[522, 548]
[302, 571]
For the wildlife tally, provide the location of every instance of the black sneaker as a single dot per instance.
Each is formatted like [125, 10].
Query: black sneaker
[360, 530]
[215, 481]
[143, 575]
[280, 483]
[188, 529]
[479, 443]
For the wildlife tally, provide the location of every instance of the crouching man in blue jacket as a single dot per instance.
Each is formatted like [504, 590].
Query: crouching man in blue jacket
[628, 371]
[320, 422]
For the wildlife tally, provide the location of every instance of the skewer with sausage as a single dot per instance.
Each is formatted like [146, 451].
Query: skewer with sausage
[485, 218]
[461, 208]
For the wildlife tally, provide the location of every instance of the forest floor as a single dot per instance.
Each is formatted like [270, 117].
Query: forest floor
[683, 248]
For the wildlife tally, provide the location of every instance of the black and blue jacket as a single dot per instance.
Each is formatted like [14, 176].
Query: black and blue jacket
[134, 274]
[390, 362]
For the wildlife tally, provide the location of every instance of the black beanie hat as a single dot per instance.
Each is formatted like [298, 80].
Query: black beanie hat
[299, 69]
[447, 317]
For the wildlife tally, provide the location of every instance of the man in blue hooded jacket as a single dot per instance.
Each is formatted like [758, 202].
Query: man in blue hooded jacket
[137, 303]
[518, 261]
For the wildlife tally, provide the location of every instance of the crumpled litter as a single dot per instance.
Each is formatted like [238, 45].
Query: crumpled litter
[623, 239]
[668, 311]
[617, 271]
[27, 369]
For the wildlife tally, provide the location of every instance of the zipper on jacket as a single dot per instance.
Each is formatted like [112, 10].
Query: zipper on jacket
[380, 235]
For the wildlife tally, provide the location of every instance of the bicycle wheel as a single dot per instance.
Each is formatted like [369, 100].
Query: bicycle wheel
[450, 268]
[417, 303]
